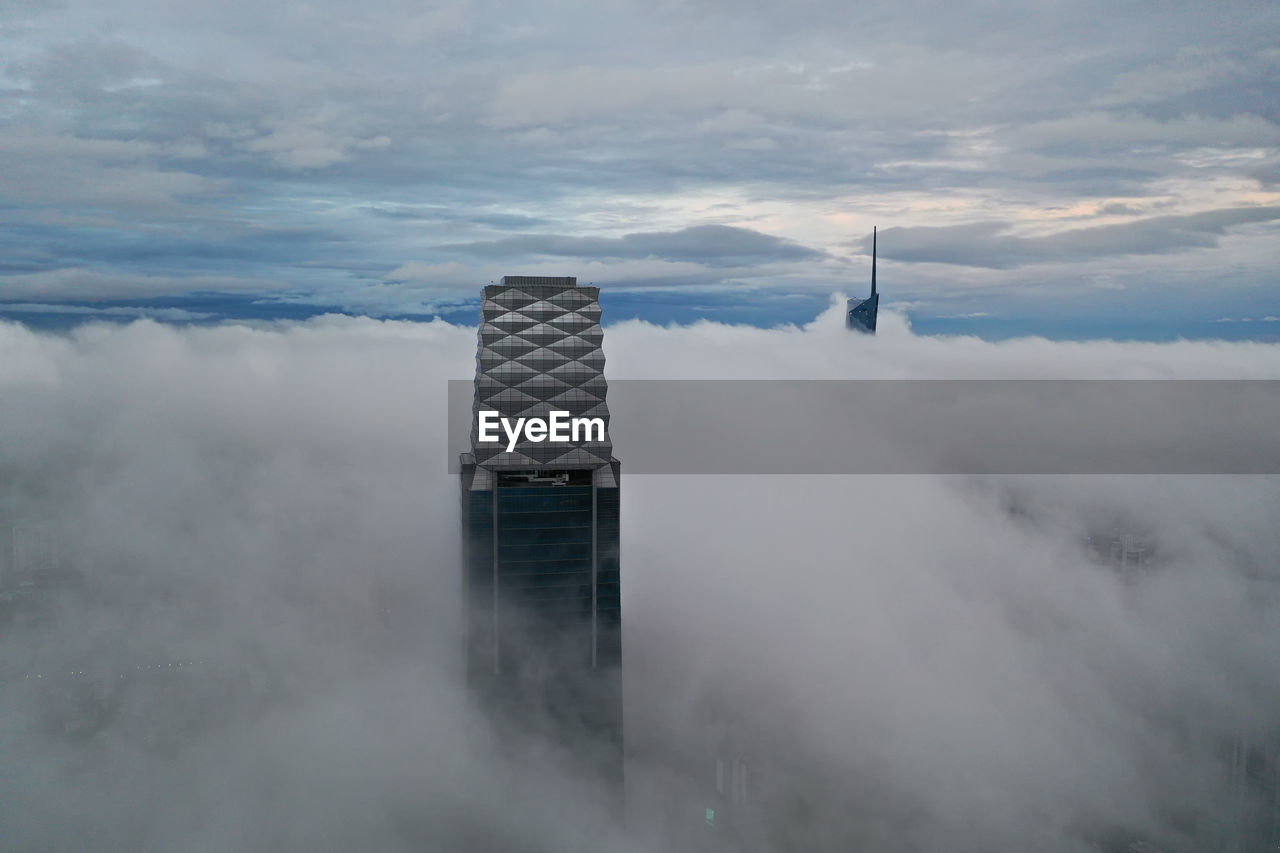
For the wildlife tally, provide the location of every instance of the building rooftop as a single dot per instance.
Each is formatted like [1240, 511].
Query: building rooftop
[545, 280]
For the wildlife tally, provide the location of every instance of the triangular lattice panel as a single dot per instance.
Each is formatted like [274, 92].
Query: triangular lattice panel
[539, 351]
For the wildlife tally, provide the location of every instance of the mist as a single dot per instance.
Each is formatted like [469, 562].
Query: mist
[233, 611]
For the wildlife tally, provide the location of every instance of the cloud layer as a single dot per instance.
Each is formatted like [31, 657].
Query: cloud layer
[988, 244]
[914, 662]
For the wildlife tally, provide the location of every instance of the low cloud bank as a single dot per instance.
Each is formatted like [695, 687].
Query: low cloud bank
[232, 611]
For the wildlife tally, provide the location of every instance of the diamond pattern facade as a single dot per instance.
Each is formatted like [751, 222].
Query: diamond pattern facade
[540, 350]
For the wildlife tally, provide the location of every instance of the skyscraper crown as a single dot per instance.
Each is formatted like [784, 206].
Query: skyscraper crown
[540, 351]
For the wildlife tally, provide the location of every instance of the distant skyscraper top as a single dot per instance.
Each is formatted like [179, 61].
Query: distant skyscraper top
[861, 313]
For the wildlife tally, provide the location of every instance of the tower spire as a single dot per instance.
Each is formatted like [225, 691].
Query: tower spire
[873, 260]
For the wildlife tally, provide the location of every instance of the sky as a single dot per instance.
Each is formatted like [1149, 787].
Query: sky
[917, 662]
[1074, 170]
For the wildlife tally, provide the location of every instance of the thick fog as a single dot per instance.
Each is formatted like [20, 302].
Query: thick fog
[232, 612]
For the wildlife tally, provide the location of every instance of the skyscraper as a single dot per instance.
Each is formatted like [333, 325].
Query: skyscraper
[861, 313]
[540, 525]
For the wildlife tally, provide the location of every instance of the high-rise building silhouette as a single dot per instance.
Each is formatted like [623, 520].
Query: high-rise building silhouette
[861, 313]
[540, 525]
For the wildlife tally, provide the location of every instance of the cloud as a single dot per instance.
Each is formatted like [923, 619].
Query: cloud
[269, 507]
[311, 142]
[714, 245]
[618, 275]
[1127, 134]
[508, 220]
[91, 284]
[448, 273]
[125, 178]
[1270, 318]
[172, 315]
[1119, 209]
[1192, 70]
[988, 244]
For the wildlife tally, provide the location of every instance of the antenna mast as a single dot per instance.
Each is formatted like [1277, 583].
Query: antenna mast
[873, 260]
